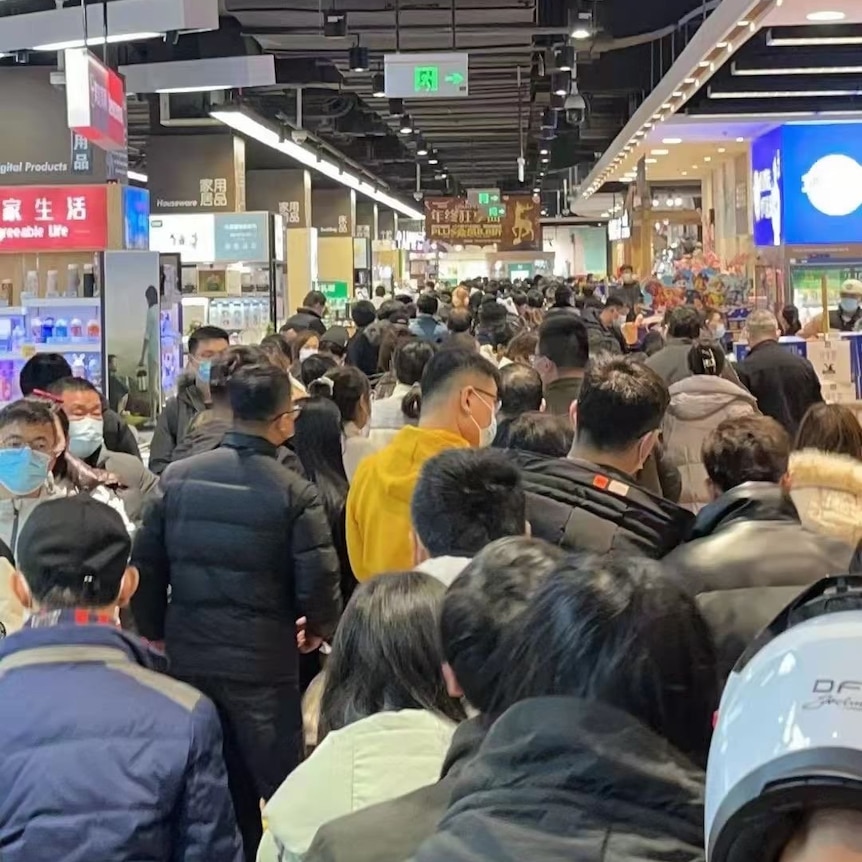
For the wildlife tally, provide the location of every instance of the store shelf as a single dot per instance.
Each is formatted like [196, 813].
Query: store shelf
[61, 301]
[12, 311]
[68, 347]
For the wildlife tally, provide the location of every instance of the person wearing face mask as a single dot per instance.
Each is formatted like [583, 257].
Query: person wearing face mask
[604, 326]
[459, 393]
[192, 398]
[244, 546]
[82, 405]
[846, 318]
[591, 500]
[34, 468]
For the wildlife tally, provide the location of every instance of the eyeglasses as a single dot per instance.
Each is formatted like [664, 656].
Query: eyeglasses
[495, 398]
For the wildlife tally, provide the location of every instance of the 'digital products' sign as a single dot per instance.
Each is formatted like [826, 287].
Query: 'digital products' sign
[53, 218]
[95, 100]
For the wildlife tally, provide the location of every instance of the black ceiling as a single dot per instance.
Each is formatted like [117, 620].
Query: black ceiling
[479, 137]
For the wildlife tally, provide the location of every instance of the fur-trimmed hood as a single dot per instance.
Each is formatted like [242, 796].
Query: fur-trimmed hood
[827, 492]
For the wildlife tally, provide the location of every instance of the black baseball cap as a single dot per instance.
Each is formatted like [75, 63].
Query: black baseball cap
[337, 335]
[74, 543]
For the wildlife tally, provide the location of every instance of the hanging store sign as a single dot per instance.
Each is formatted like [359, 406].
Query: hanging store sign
[453, 221]
[53, 218]
[95, 100]
[443, 75]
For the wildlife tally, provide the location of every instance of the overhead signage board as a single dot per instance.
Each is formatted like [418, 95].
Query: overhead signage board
[454, 221]
[767, 182]
[192, 236]
[443, 75]
[822, 175]
[242, 236]
[53, 218]
[95, 100]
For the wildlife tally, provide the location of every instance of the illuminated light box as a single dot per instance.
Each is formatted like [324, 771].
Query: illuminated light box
[807, 185]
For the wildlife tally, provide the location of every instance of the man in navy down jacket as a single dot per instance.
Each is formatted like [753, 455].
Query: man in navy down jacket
[101, 757]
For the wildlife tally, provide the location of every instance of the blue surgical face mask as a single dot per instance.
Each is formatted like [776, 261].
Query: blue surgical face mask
[205, 367]
[849, 304]
[86, 436]
[23, 471]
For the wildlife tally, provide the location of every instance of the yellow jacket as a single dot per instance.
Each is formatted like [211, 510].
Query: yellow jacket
[378, 504]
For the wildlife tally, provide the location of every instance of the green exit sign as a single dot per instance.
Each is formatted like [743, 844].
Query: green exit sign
[496, 212]
[426, 79]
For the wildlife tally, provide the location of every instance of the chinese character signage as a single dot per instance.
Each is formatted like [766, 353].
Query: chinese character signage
[53, 218]
[195, 173]
[244, 236]
[286, 192]
[95, 100]
[333, 211]
[443, 75]
[82, 155]
[453, 221]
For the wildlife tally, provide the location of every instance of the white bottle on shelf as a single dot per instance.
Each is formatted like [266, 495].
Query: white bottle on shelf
[52, 283]
[73, 280]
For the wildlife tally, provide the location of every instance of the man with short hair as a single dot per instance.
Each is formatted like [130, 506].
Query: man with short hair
[464, 500]
[845, 318]
[784, 384]
[749, 555]
[561, 357]
[520, 393]
[235, 554]
[591, 501]
[826, 833]
[564, 299]
[84, 409]
[604, 326]
[460, 320]
[134, 757]
[44, 369]
[363, 349]
[683, 330]
[479, 606]
[426, 325]
[459, 404]
[309, 315]
[192, 398]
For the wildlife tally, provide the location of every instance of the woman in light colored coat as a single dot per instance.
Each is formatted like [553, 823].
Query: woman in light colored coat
[388, 415]
[386, 718]
[698, 404]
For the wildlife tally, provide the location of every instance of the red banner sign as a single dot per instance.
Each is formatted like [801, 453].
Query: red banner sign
[95, 100]
[53, 218]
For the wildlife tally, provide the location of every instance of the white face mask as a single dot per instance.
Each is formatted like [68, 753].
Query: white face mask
[305, 352]
[86, 436]
[486, 435]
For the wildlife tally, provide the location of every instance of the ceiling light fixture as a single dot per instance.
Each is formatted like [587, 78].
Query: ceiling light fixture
[677, 202]
[537, 190]
[97, 40]
[707, 158]
[669, 202]
[421, 146]
[678, 94]
[808, 41]
[242, 121]
[405, 124]
[659, 152]
[721, 44]
[656, 203]
[739, 140]
[580, 33]
[685, 173]
[358, 59]
[743, 23]
[433, 158]
[825, 16]
[722, 150]
[690, 81]
[561, 83]
[650, 161]
[565, 58]
[378, 86]
[137, 177]
[703, 64]
[785, 94]
[798, 70]
[671, 140]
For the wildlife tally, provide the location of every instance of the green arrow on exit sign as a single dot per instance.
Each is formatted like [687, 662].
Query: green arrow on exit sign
[455, 79]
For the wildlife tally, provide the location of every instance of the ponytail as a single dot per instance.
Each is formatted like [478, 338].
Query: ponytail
[411, 404]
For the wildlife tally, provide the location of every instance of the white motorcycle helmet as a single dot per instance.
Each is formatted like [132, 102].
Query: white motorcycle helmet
[789, 733]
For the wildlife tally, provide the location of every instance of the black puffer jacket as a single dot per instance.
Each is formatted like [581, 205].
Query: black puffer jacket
[748, 559]
[585, 507]
[174, 422]
[306, 318]
[562, 779]
[245, 547]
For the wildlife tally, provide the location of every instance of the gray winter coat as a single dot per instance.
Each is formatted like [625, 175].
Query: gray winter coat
[698, 404]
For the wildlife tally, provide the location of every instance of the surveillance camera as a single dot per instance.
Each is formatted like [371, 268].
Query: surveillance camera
[300, 136]
[418, 196]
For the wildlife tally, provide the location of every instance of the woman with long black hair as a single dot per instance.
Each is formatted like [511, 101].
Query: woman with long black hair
[317, 441]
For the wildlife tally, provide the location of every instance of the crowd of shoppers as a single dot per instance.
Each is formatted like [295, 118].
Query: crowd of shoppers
[510, 557]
